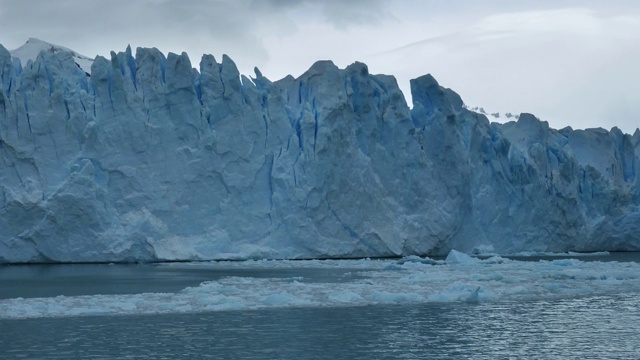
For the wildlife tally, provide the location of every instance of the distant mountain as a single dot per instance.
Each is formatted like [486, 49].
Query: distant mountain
[32, 48]
[493, 116]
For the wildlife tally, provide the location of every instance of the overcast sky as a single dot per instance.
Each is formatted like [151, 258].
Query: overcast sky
[571, 63]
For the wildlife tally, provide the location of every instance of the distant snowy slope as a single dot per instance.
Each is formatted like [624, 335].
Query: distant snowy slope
[33, 47]
[494, 116]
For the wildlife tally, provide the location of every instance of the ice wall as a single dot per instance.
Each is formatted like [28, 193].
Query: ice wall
[149, 159]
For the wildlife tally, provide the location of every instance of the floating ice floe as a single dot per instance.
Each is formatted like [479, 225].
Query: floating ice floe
[361, 282]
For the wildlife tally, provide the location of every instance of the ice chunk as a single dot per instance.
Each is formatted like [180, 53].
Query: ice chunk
[457, 257]
[421, 260]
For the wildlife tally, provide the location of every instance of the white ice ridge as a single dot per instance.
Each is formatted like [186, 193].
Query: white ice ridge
[362, 282]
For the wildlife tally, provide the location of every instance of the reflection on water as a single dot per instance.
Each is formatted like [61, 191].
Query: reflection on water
[584, 328]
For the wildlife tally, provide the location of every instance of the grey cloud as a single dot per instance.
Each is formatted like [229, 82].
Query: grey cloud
[346, 13]
[339, 13]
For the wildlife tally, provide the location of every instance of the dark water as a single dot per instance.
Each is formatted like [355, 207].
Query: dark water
[587, 328]
[28, 281]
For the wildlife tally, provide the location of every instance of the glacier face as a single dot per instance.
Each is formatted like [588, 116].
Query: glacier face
[149, 159]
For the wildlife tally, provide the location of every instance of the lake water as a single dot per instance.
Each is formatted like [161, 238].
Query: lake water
[550, 308]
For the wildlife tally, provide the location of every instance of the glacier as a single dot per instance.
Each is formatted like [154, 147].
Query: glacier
[148, 159]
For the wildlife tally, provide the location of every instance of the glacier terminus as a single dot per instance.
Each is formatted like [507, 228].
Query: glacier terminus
[144, 158]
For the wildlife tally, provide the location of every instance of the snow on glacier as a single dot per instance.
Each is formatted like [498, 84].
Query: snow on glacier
[149, 159]
[33, 47]
[360, 282]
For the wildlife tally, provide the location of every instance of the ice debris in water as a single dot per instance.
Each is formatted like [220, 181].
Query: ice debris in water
[362, 282]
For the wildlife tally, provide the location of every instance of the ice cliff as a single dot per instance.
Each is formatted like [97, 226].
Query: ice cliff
[149, 159]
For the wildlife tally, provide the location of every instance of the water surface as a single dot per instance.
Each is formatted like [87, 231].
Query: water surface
[587, 328]
[546, 308]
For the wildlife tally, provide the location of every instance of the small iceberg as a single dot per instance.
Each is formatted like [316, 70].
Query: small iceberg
[457, 257]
